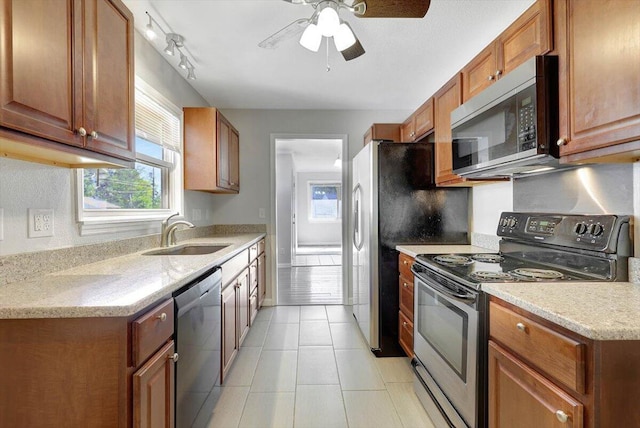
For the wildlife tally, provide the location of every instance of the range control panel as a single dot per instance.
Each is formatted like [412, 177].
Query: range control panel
[591, 232]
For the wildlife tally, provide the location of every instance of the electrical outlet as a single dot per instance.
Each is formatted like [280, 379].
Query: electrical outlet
[261, 213]
[1, 224]
[40, 223]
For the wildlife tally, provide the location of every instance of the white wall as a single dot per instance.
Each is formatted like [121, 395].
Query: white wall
[284, 190]
[315, 232]
[25, 185]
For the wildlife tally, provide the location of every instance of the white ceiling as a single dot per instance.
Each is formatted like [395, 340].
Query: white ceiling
[311, 155]
[407, 60]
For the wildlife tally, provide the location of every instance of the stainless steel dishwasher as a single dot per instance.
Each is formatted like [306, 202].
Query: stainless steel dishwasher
[198, 343]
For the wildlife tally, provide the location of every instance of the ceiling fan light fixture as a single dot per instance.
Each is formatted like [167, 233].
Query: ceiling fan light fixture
[328, 19]
[311, 38]
[344, 37]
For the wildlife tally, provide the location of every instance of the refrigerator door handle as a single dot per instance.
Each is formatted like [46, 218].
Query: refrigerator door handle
[357, 242]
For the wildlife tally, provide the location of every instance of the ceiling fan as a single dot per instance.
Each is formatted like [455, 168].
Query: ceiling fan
[326, 22]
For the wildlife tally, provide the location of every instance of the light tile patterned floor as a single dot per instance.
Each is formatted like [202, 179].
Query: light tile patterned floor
[310, 285]
[307, 367]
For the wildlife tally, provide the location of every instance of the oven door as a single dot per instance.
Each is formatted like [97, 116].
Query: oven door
[446, 341]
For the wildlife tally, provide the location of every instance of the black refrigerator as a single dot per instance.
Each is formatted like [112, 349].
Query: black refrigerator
[395, 202]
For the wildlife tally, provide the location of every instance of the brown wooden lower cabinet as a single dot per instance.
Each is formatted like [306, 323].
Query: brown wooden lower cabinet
[520, 397]
[154, 389]
[405, 292]
[405, 325]
[262, 278]
[543, 375]
[229, 340]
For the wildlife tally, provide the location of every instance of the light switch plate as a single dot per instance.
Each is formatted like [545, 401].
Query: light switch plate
[40, 223]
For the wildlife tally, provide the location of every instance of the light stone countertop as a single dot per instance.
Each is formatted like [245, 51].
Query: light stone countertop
[597, 310]
[115, 287]
[414, 250]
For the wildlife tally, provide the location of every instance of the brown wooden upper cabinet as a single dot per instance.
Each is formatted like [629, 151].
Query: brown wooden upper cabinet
[66, 76]
[598, 44]
[529, 35]
[419, 124]
[211, 151]
[383, 131]
[448, 98]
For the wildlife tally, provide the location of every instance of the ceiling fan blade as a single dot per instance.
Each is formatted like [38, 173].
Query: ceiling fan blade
[353, 52]
[395, 8]
[291, 30]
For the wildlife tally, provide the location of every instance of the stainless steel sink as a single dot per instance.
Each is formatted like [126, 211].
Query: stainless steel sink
[187, 250]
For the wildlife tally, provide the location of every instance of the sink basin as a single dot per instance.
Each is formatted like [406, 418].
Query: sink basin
[186, 250]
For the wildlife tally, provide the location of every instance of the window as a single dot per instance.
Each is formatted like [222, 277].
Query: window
[127, 198]
[325, 201]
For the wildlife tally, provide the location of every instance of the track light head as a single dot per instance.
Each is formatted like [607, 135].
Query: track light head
[173, 41]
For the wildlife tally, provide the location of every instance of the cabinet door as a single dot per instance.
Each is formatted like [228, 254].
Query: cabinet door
[520, 397]
[407, 131]
[234, 159]
[108, 78]
[229, 342]
[599, 48]
[153, 391]
[262, 278]
[405, 334]
[222, 160]
[423, 119]
[243, 306]
[529, 35]
[446, 100]
[37, 62]
[479, 73]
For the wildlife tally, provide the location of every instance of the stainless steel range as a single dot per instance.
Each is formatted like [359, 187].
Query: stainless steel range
[451, 312]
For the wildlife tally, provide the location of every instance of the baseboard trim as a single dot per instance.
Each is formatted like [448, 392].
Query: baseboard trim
[350, 301]
[284, 265]
[267, 302]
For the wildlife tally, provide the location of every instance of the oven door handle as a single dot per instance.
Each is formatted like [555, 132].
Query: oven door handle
[470, 296]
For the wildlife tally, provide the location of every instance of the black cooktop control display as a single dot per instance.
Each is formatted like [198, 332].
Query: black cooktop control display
[542, 225]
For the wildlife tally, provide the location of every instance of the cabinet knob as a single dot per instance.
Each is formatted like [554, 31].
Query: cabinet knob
[561, 142]
[173, 357]
[562, 416]
[498, 73]
[94, 135]
[82, 132]
[521, 327]
[405, 262]
[232, 183]
[491, 77]
[405, 284]
[162, 317]
[404, 323]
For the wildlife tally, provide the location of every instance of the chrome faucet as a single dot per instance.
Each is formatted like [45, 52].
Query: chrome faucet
[168, 234]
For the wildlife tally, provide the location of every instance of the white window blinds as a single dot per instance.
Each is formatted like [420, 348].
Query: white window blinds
[156, 124]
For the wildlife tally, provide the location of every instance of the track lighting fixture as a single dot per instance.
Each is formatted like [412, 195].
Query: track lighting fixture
[174, 41]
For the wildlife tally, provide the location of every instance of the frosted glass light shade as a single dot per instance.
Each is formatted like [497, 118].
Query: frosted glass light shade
[328, 21]
[344, 37]
[311, 38]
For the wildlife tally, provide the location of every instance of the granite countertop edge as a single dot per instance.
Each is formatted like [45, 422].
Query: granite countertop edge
[612, 320]
[71, 279]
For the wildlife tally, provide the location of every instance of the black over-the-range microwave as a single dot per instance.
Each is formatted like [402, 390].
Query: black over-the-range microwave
[511, 127]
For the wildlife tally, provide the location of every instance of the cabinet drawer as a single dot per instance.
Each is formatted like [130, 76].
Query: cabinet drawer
[405, 333]
[404, 265]
[233, 267]
[253, 252]
[261, 246]
[557, 355]
[253, 276]
[253, 305]
[406, 297]
[151, 331]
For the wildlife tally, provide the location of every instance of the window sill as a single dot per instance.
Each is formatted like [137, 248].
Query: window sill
[142, 225]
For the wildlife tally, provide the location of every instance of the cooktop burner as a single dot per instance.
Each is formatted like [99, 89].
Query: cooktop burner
[533, 273]
[488, 258]
[453, 259]
[491, 276]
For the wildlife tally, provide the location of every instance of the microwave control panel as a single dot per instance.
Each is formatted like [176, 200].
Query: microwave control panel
[527, 122]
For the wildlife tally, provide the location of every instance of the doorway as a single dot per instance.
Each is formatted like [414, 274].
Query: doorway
[309, 218]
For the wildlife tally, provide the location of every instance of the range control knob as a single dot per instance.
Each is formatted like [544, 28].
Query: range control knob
[580, 228]
[596, 229]
[504, 222]
[512, 222]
